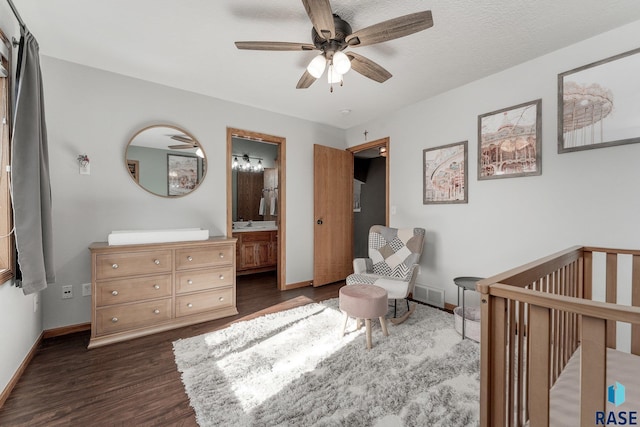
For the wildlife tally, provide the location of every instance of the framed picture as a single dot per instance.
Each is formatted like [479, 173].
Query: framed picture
[445, 174]
[598, 104]
[182, 174]
[134, 168]
[357, 190]
[510, 141]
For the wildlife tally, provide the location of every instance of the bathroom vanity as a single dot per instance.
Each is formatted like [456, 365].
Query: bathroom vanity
[257, 246]
[140, 289]
[257, 251]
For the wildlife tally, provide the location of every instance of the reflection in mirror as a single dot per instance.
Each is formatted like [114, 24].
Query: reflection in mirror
[254, 180]
[166, 160]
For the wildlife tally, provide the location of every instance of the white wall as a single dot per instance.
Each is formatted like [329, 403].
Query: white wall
[94, 112]
[587, 197]
[20, 326]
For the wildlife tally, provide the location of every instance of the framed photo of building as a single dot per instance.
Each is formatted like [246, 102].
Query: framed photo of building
[598, 104]
[182, 174]
[445, 174]
[510, 141]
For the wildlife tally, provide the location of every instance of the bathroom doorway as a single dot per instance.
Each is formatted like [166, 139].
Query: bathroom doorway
[256, 202]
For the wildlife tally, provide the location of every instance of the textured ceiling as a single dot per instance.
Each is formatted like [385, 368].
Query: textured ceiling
[188, 44]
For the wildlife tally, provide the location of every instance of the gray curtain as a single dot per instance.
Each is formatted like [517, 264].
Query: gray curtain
[30, 172]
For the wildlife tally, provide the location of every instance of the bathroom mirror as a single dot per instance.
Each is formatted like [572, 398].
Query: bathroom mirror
[254, 180]
[165, 160]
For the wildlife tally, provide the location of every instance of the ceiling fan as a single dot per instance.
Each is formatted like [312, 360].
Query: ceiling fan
[331, 35]
[188, 143]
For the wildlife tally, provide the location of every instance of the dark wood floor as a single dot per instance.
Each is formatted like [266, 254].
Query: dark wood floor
[134, 383]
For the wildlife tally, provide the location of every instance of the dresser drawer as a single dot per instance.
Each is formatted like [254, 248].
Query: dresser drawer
[203, 301]
[132, 264]
[128, 316]
[129, 290]
[200, 280]
[200, 257]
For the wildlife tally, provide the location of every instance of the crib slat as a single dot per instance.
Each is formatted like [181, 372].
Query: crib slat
[522, 390]
[612, 284]
[539, 323]
[635, 301]
[593, 364]
[588, 276]
[511, 358]
[499, 366]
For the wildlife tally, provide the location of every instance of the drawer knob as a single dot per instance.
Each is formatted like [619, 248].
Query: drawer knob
[221, 277]
[114, 266]
[221, 255]
[114, 293]
[156, 311]
[156, 286]
[189, 258]
[189, 282]
[114, 319]
[221, 299]
[156, 261]
[189, 305]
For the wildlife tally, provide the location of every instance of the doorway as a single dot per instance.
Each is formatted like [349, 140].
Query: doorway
[334, 218]
[371, 191]
[261, 174]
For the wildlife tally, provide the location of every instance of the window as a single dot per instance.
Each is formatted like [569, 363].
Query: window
[6, 217]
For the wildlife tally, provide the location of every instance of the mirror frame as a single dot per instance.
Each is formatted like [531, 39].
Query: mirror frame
[134, 163]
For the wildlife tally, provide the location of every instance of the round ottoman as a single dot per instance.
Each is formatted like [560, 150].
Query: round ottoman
[364, 302]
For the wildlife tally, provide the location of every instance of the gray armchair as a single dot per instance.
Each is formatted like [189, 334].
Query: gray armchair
[393, 260]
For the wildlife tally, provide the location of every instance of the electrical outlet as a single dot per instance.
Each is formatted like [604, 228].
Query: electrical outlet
[86, 289]
[67, 291]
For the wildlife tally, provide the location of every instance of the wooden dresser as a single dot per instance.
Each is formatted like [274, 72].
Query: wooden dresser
[143, 289]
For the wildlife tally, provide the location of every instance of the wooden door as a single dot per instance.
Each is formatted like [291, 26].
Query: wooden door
[333, 212]
[249, 193]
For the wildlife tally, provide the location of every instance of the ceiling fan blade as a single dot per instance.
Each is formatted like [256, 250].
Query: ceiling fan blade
[274, 46]
[182, 138]
[305, 81]
[321, 16]
[391, 29]
[368, 68]
[182, 147]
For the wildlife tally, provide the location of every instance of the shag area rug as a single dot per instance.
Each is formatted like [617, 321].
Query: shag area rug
[292, 368]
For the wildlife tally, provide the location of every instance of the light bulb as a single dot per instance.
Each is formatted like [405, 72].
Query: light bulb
[341, 62]
[317, 65]
[235, 163]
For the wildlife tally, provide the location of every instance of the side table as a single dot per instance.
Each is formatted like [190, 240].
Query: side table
[464, 283]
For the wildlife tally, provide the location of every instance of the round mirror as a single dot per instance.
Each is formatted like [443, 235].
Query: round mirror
[166, 161]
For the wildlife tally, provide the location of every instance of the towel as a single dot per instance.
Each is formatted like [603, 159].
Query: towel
[261, 209]
[273, 205]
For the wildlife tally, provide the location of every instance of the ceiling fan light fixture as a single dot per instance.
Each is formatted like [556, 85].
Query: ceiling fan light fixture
[341, 62]
[333, 76]
[317, 65]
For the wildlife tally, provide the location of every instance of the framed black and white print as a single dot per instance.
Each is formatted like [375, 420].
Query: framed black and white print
[182, 174]
[509, 141]
[445, 174]
[598, 104]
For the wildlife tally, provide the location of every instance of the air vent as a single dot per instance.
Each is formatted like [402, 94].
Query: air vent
[429, 295]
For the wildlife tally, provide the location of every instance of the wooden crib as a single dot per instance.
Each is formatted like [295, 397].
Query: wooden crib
[533, 319]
